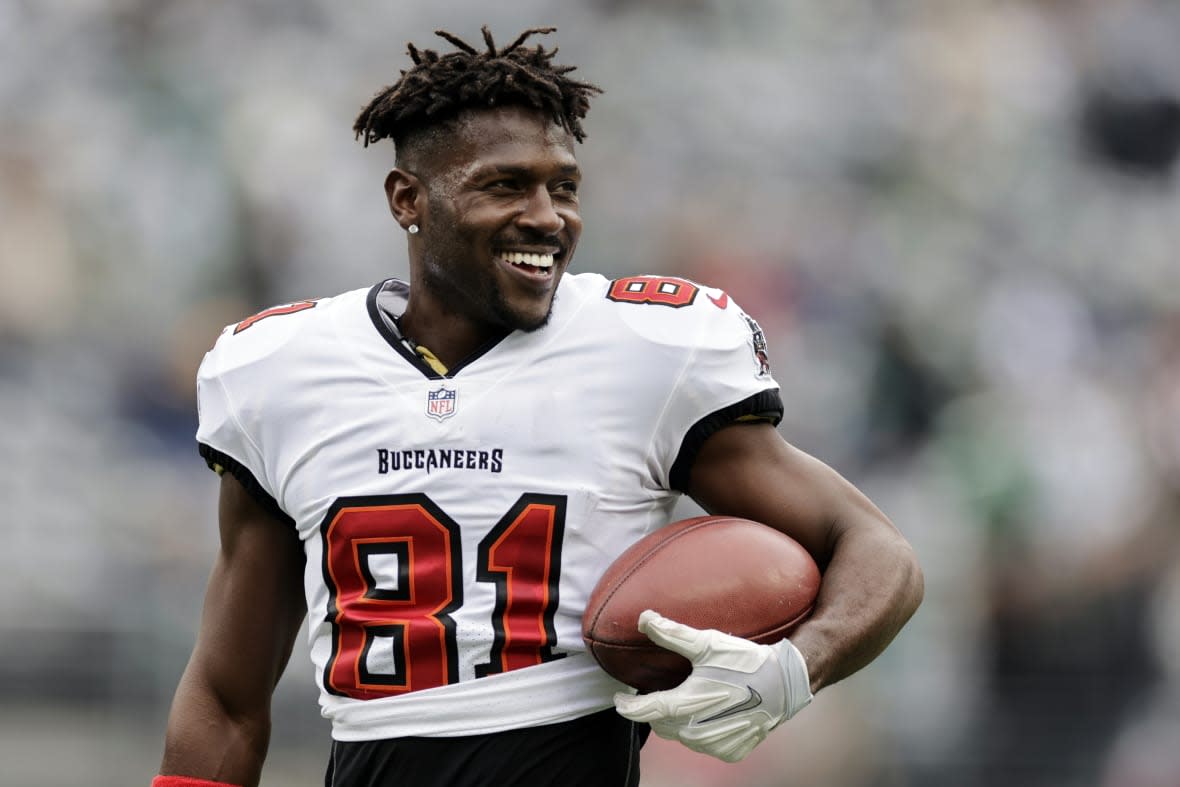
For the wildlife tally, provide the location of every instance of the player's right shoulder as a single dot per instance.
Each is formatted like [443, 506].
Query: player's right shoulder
[261, 336]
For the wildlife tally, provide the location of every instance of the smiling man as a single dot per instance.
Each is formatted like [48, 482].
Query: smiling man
[435, 473]
[497, 208]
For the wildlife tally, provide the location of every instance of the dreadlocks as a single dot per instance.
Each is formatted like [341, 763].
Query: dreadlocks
[439, 87]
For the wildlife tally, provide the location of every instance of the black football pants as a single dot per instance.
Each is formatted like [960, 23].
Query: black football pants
[599, 750]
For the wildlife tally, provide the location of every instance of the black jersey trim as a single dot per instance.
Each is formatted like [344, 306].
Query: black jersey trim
[395, 341]
[764, 406]
[390, 336]
[219, 459]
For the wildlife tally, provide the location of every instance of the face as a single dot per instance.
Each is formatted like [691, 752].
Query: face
[501, 218]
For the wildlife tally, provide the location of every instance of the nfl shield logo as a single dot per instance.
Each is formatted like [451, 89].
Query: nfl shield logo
[440, 404]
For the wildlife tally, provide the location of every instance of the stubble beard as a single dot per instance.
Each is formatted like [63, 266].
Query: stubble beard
[484, 303]
[452, 286]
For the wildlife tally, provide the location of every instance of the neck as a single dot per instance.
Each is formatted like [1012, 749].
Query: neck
[450, 337]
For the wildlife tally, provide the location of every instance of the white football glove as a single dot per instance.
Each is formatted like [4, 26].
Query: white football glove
[738, 690]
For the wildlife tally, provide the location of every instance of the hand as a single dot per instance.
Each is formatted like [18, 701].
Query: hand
[737, 692]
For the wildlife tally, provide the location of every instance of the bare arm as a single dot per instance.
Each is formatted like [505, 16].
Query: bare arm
[872, 583]
[219, 726]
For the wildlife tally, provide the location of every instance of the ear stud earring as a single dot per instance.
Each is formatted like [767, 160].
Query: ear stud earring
[412, 229]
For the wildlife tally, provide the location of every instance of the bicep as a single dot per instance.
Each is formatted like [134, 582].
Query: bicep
[254, 603]
[749, 470]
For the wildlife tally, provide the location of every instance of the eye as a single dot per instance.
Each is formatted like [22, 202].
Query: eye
[504, 184]
[568, 188]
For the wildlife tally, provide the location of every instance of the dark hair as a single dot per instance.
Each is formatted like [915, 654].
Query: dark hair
[439, 87]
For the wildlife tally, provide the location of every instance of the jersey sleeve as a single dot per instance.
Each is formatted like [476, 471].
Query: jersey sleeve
[234, 371]
[725, 379]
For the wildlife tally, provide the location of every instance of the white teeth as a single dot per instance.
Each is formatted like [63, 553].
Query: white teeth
[523, 258]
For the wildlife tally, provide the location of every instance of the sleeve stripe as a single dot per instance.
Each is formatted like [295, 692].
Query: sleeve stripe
[220, 462]
[765, 406]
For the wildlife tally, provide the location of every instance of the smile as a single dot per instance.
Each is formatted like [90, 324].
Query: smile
[529, 261]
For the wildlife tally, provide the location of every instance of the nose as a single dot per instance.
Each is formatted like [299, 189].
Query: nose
[540, 214]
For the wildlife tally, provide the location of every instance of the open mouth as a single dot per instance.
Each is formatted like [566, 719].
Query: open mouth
[533, 263]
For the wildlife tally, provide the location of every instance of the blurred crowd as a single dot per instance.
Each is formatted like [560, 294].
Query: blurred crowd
[958, 223]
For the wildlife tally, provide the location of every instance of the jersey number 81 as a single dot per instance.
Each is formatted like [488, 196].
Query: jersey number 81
[394, 637]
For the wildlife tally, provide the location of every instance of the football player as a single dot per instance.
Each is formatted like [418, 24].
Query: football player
[434, 474]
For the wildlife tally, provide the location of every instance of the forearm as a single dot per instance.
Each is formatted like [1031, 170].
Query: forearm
[871, 580]
[871, 586]
[205, 739]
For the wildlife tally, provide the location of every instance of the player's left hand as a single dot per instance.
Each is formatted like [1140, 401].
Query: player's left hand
[737, 692]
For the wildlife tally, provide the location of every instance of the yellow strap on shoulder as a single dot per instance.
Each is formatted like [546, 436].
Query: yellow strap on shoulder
[431, 359]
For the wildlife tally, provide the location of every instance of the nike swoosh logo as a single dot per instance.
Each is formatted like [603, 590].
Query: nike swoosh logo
[721, 302]
[753, 700]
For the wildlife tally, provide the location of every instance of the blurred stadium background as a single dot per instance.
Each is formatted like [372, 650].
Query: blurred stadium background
[959, 224]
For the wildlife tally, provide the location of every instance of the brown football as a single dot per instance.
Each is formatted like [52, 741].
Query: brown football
[718, 572]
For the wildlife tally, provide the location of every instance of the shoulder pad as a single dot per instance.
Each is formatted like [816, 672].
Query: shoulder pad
[260, 335]
[675, 311]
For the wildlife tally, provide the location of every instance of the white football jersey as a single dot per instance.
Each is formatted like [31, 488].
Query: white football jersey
[455, 525]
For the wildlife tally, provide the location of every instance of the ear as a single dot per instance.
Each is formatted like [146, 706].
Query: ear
[406, 196]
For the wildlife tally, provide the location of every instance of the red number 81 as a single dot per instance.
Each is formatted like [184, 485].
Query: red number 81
[406, 625]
